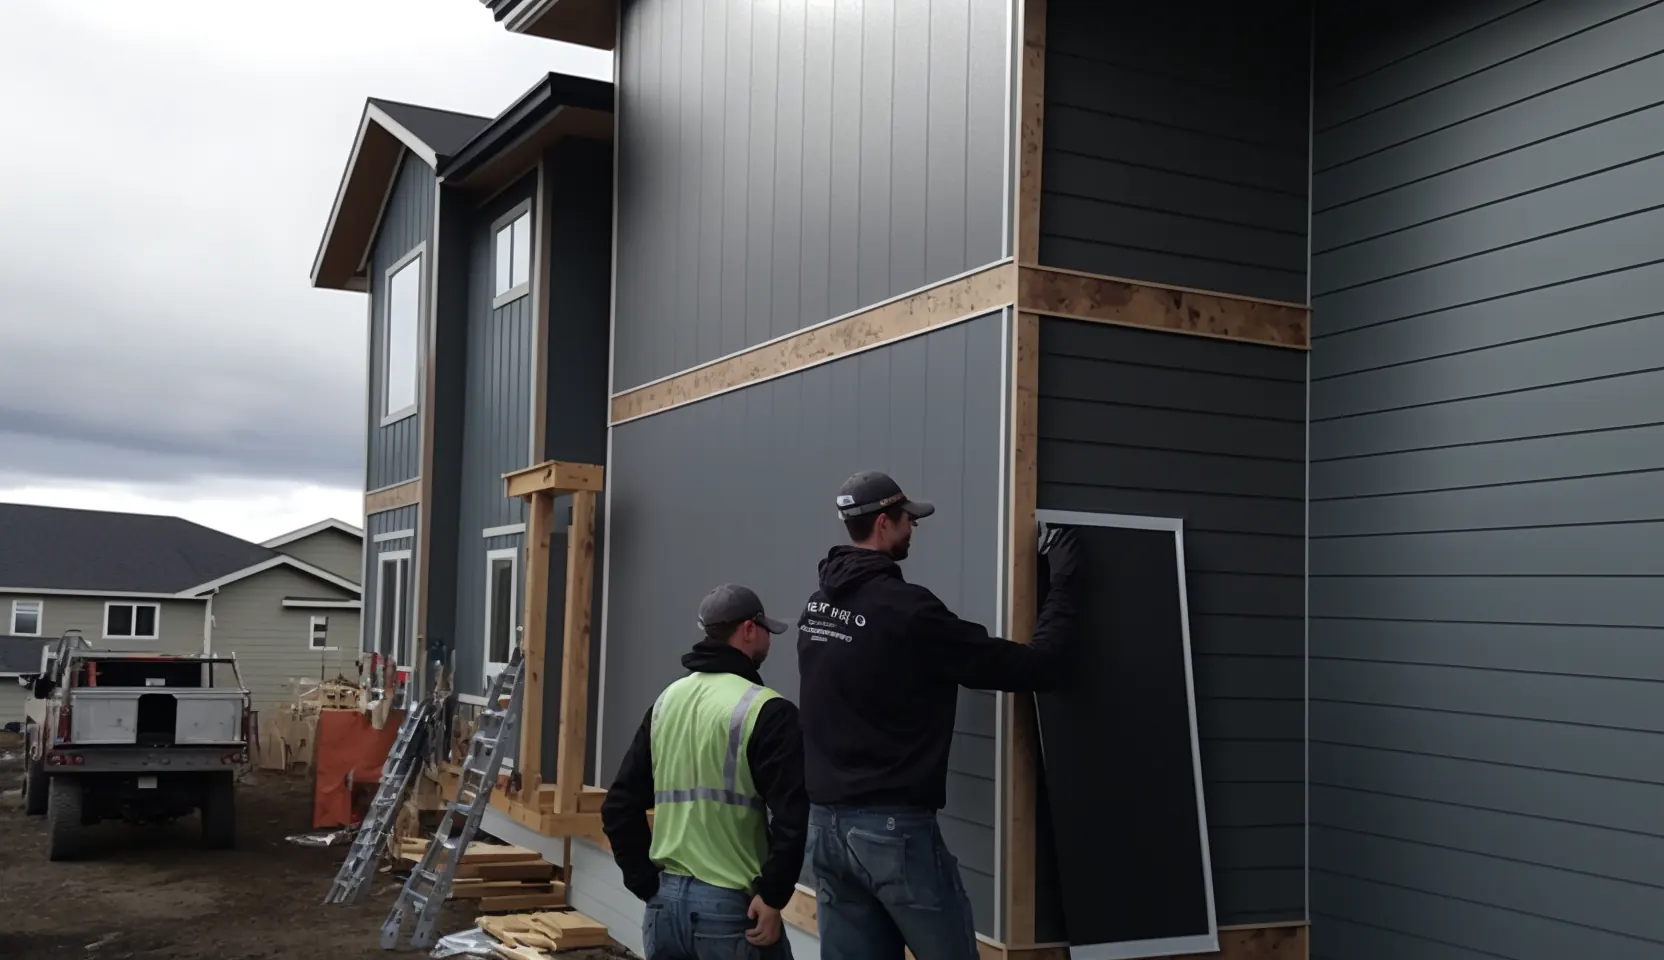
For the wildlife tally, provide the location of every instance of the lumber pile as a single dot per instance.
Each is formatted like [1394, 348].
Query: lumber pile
[501, 877]
[533, 936]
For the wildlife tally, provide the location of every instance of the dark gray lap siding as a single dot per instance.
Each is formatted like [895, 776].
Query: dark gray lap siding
[782, 164]
[1487, 459]
[739, 487]
[395, 450]
[1211, 432]
[1175, 147]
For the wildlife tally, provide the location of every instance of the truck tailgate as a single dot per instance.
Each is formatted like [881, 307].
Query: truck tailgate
[112, 715]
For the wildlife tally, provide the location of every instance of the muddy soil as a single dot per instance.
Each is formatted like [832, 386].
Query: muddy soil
[153, 892]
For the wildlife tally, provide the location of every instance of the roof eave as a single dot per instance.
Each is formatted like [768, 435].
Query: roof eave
[589, 23]
[360, 199]
[557, 106]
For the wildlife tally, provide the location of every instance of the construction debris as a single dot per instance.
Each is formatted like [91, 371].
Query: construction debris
[501, 877]
[533, 936]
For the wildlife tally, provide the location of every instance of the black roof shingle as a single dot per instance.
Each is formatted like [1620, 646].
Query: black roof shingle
[446, 131]
[55, 548]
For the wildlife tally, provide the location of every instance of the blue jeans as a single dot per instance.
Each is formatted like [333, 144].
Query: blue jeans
[690, 919]
[884, 879]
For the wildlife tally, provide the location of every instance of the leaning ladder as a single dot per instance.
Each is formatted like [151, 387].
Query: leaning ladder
[429, 883]
[402, 762]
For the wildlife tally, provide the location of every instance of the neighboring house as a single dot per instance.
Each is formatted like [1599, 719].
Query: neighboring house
[1365, 294]
[143, 582]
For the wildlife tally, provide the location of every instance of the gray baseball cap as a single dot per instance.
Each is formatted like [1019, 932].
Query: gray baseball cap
[733, 603]
[871, 491]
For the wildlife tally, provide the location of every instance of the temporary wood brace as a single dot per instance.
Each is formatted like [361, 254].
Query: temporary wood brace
[567, 813]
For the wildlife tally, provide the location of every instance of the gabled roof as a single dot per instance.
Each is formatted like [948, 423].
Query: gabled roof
[307, 531]
[55, 550]
[387, 130]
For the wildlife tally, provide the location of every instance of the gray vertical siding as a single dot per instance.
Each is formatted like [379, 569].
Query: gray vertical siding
[781, 164]
[388, 521]
[395, 451]
[496, 428]
[442, 487]
[928, 410]
[580, 299]
[1212, 432]
[1176, 143]
[1487, 757]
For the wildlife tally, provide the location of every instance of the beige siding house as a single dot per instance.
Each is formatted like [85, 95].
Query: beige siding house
[289, 608]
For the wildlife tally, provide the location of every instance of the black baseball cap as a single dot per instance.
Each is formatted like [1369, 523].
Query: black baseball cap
[871, 491]
[733, 603]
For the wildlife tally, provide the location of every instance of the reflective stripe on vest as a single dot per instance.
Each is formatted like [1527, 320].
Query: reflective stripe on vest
[708, 821]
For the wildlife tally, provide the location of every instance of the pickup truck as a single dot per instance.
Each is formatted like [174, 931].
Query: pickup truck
[137, 736]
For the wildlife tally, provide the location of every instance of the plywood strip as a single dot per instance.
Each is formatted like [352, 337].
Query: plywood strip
[945, 303]
[574, 671]
[1031, 130]
[394, 497]
[540, 523]
[1083, 296]
[1021, 771]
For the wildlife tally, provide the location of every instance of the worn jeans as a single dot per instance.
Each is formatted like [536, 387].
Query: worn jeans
[690, 919]
[884, 879]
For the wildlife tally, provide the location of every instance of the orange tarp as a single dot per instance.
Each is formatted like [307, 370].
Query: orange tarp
[348, 754]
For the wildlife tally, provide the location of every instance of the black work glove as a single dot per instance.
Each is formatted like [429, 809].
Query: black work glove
[1062, 552]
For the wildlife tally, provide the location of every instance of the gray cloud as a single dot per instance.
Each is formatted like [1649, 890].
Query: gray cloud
[159, 214]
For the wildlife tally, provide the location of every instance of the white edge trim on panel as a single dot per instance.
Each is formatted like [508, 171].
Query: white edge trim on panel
[612, 348]
[1002, 578]
[506, 530]
[408, 534]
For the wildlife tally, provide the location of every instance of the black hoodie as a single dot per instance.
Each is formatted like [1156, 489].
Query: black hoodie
[775, 754]
[881, 661]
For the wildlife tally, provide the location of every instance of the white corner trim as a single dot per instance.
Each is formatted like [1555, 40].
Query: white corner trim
[281, 560]
[506, 530]
[407, 534]
[296, 603]
[328, 524]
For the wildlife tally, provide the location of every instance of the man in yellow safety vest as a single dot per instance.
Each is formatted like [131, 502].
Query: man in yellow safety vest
[716, 755]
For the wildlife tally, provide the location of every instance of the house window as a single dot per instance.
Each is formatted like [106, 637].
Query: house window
[392, 589]
[512, 250]
[317, 633]
[131, 621]
[404, 310]
[502, 620]
[26, 618]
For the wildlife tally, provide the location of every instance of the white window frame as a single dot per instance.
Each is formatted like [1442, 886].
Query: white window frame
[40, 617]
[492, 667]
[311, 634]
[156, 622]
[401, 610]
[504, 230]
[415, 258]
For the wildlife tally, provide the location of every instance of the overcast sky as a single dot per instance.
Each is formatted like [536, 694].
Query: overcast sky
[166, 170]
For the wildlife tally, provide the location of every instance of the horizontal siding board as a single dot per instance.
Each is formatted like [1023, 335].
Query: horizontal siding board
[1619, 498]
[1370, 38]
[1187, 170]
[1612, 550]
[1630, 807]
[783, 164]
[1568, 601]
[1624, 653]
[1114, 439]
[926, 409]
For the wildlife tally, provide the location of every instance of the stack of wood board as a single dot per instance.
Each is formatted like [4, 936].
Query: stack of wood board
[501, 877]
[533, 936]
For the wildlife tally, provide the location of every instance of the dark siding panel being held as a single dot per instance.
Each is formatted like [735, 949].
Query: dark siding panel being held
[496, 428]
[1213, 433]
[1175, 146]
[1487, 455]
[927, 410]
[395, 451]
[783, 164]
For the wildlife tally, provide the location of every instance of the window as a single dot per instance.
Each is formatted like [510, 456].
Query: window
[392, 589]
[404, 322]
[26, 618]
[131, 621]
[502, 621]
[317, 633]
[512, 249]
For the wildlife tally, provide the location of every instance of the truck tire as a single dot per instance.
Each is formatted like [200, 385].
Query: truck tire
[66, 829]
[35, 787]
[219, 812]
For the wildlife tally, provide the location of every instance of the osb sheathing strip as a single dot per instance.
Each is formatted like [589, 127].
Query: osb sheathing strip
[391, 498]
[946, 303]
[1079, 296]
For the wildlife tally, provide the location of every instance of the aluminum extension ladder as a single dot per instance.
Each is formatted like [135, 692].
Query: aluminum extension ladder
[429, 884]
[400, 767]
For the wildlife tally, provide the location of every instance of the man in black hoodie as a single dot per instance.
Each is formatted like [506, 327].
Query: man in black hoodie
[881, 661]
[714, 756]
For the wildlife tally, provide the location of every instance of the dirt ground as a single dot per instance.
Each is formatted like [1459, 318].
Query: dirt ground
[153, 892]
